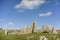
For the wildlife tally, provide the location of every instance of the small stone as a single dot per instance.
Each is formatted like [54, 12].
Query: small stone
[32, 36]
[57, 38]
[43, 38]
[28, 38]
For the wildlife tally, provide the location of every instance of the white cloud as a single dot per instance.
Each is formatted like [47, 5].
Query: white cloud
[46, 14]
[30, 4]
[10, 23]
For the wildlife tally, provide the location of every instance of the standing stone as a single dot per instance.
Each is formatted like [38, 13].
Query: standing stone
[54, 31]
[34, 27]
[21, 31]
[6, 31]
[24, 30]
[43, 28]
[29, 29]
[48, 29]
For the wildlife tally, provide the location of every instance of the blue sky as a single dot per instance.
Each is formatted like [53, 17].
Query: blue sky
[16, 14]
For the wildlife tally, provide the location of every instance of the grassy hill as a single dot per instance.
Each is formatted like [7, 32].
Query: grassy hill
[28, 36]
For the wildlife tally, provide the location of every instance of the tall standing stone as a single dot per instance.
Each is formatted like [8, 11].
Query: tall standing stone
[34, 27]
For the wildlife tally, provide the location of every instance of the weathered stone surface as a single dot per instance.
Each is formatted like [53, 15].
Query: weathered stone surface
[34, 27]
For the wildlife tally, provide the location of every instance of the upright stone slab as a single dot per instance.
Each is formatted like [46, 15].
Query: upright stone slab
[34, 27]
[6, 31]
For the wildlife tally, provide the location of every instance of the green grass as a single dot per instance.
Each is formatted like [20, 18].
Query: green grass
[25, 36]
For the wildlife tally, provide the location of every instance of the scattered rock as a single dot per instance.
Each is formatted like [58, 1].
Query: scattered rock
[43, 38]
[57, 38]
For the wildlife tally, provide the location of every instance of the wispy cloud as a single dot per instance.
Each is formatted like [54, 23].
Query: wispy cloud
[21, 11]
[45, 14]
[10, 23]
[30, 4]
[57, 3]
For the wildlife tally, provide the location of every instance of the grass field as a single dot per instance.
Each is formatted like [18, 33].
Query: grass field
[28, 36]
